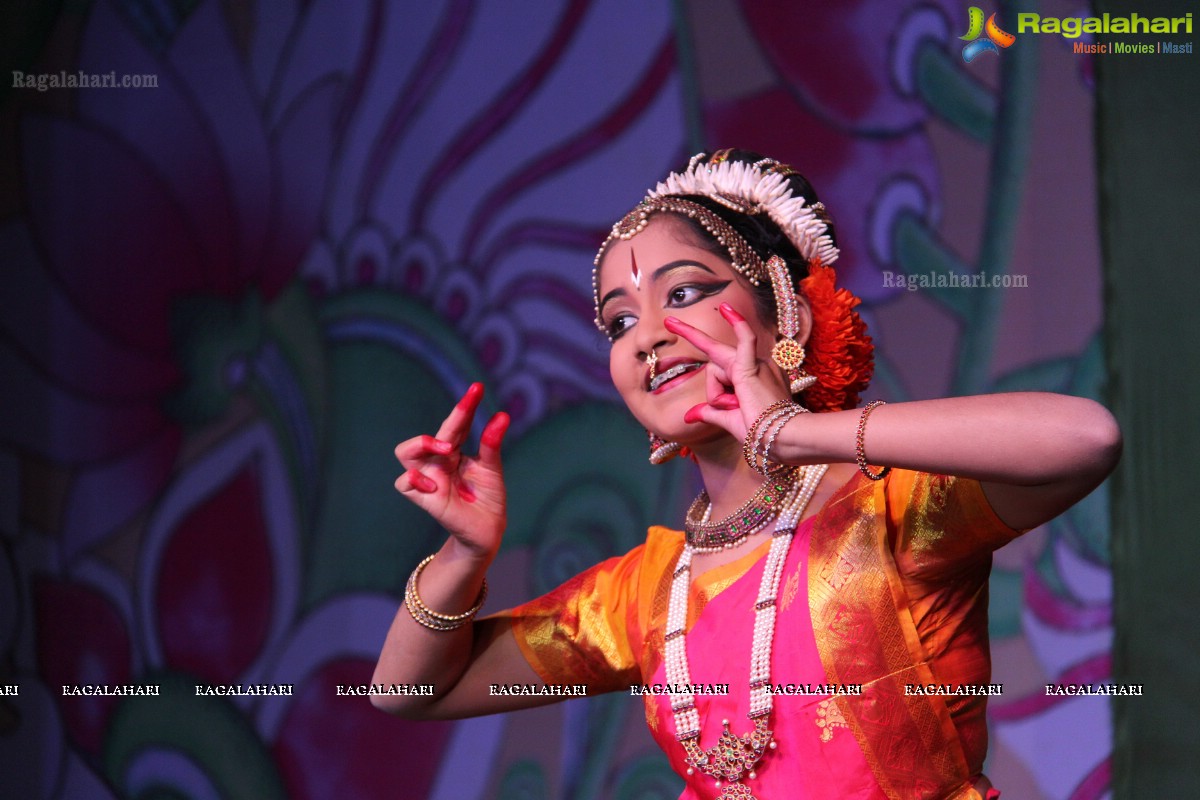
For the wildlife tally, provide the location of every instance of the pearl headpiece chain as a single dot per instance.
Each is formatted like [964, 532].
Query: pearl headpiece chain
[742, 256]
[734, 758]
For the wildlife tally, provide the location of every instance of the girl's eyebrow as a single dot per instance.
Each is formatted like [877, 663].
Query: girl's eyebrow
[613, 295]
[674, 265]
[665, 269]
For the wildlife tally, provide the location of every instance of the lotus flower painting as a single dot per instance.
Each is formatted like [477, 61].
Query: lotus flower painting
[231, 289]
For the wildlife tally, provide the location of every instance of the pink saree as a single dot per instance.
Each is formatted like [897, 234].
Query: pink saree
[885, 587]
[816, 751]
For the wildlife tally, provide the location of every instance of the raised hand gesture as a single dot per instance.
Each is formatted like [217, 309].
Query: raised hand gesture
[465, 494]
[741, 380]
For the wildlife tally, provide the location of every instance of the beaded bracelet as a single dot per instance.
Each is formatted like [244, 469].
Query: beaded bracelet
[748, 444]
[767, 424]
[784, 418]
[430, 618]
[860, 454]
[769, 431]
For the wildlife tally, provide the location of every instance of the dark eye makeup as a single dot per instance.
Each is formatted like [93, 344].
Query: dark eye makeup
[681, 296]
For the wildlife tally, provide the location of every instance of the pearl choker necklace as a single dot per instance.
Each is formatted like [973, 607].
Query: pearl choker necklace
[734, 757]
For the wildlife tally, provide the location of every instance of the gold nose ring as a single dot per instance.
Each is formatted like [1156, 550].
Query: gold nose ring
[652, 360]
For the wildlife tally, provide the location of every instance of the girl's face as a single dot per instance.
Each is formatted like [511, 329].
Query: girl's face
[661, 272]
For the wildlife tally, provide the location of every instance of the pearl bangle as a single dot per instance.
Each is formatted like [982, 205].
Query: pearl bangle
[431, 619]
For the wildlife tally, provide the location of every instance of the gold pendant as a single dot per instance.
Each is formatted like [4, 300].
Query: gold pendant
[736, 791]
[731, 758]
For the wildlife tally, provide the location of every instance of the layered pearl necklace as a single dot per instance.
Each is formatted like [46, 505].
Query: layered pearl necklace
[735, 756]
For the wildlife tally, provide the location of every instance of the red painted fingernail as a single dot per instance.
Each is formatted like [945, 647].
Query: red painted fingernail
[471, 398]
[423, 484]
[728, 313]
[726, 402]
[493, 434]
[693, 413]
[442, 447]
[672, 323]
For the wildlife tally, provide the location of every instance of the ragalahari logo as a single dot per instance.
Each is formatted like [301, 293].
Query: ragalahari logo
[996, 38]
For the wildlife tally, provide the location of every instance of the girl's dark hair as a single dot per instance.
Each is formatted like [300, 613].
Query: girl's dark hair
[759, 231]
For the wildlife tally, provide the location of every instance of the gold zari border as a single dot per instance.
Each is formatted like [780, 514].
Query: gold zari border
[866, 635]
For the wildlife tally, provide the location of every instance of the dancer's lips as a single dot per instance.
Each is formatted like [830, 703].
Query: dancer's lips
[670, 369]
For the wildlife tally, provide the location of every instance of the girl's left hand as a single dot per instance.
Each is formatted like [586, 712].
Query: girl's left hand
[739, 384]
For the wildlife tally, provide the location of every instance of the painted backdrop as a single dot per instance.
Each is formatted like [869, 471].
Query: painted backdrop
[227, 296]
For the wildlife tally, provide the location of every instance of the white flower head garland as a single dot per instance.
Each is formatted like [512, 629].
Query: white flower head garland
[756, 190]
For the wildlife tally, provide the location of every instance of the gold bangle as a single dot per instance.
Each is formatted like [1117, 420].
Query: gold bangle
[860, 454]
[431, 619]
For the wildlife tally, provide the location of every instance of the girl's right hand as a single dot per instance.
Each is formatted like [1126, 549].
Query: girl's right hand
[464, 494]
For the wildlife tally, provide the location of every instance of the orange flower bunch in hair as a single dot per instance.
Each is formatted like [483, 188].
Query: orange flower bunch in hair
[840, 353]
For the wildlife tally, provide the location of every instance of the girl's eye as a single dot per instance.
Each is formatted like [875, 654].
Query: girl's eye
[618, 325]
[684, 295]
[691, 293]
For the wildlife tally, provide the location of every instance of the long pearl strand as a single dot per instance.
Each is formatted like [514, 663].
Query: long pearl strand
[734, 755]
